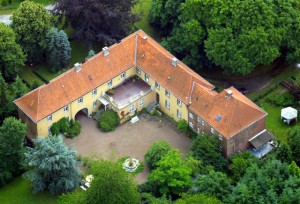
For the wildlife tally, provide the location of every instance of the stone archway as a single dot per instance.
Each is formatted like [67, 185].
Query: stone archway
[82, 112]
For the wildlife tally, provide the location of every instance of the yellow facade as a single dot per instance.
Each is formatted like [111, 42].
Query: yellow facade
[89, 98]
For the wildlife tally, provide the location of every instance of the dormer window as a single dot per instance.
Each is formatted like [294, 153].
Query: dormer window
[80, 100]
[123, 75]
[179, 103]
[147, 78]
[49, 118]
[167, 93]
[109, 83]
[66, 108]
[94, 92]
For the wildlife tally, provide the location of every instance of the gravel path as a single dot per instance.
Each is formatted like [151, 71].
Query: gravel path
[127, 140]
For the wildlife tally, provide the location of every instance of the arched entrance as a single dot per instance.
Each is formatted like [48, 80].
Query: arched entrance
[82, 113]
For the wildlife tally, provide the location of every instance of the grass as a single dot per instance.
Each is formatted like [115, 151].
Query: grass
[29, 77]
[143, 9]
[19, 192]
[8, 9]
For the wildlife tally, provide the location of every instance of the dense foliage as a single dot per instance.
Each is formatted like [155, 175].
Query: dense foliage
[172, 176]
[283, 99]
[52, 166]
[12, 133]
[155, 152]
[69, 129]
[197, 199]
[206, 149]
[12, 57]
[235, 35]
[90, 54]
[58, 50]
[108, 120]
[293, 140]
[284, 153]
[31, 22]
[93, 20]
[111, 185]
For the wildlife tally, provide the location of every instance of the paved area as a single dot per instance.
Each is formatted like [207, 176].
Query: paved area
[127, 140]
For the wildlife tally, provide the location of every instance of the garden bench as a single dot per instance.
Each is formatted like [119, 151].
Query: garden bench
[134, 119]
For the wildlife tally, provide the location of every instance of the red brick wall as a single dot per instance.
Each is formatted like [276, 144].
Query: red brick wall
[31, 126]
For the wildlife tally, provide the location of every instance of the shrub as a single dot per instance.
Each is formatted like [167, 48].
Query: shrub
[35, 84]
[69, 129]
[156, 151]
[108, 120]
[183, 125]
[285, 99]
[73, 130]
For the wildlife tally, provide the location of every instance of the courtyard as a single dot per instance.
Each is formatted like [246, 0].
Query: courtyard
[127, 140]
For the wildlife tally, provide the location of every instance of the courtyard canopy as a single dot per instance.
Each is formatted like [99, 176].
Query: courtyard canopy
[288, 114]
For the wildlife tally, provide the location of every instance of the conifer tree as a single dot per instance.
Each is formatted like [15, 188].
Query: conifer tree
[90, 54]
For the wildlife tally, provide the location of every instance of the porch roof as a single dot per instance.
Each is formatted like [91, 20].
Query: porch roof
[103, 101]
[261, 139]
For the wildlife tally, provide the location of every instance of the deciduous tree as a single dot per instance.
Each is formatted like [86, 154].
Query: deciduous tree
[284, 153]
[31, 22]
[197, 199]
[12, 133]
[293, 140]
[52, 166]
[12, 57]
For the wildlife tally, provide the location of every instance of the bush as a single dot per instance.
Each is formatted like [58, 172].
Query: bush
[183, 125]
[285, 99]
[156, 151]
[69, 129]
[108, 120]
[73, 130]
[265, 92]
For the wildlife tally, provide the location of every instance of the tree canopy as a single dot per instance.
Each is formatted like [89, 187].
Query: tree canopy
[52, 166]
[235, 35]
[98, 21]
[31, 22]
[12, 133]
[12, 57]
[293, 140]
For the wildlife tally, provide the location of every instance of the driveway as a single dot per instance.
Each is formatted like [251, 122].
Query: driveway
[127, 140]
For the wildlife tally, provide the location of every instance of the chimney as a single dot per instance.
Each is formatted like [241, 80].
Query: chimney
[105, 51]
[228, 94]
[145, 37]
[77, 67]
[174, 61]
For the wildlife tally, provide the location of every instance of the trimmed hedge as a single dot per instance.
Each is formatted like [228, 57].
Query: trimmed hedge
[285, 99]
[69, 129]
[108, 120]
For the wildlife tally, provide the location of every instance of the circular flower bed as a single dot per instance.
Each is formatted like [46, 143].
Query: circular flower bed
[131, 164]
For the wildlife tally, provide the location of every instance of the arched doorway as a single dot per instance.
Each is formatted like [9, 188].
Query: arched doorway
[81, 113]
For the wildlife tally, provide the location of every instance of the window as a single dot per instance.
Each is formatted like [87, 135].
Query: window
[157, 85]
[131, 108]
[123, 75]
[138, 70]
[142, 101]
[49, 118]
[147, 78]
[220, 137]
[212, 130]
[94, 92]
[191, 115]
[178, 113]
[80, 100]
[167, 93]
[167, 104]
[68, 119]
[179, 102]
[198, 119]
[191, 124]
[198, 130]
[95, 104]
[202, 132]
[49, 130]
[109, 83]
[202, 122]
[66, 108]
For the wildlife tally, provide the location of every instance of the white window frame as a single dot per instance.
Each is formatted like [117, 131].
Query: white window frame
[198, 130]
[167, 93]
[142, 101]
[179, 102]
[94, 92]
[138, 70]
[95, 104]
[191, 115]
[66, 109]
[191, 124]
[49, 130]
[131, 108]
[212, 130]
[147, 78]
[179, 113]
[198, 119]
[123, 75]
[167, 104]
[109, 83]
[220, 137]
[157, 85]
[203, 122]
[49, 118]
[80, 100]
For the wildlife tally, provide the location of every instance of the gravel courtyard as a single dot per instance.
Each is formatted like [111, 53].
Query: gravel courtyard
[127, 140]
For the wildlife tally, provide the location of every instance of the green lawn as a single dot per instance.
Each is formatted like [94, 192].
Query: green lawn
[19, 192]
[29, 77]
[15, 4]
[143, 9]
